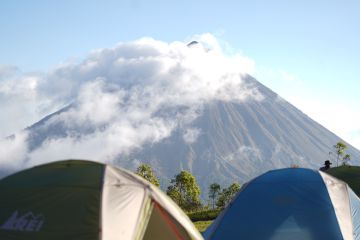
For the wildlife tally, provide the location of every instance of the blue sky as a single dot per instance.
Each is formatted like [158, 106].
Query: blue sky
[307, 51]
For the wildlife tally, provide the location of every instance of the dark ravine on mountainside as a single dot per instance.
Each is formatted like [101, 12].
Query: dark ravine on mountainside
[235, 142]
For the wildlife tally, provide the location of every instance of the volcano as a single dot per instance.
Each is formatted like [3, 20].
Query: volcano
[225, 142]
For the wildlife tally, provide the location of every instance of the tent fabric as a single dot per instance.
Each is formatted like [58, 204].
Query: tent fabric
[77, 199]
[355, 212]
[171, 207]
[41, 202]
[292, 204]
[338, 192]
[122, 198]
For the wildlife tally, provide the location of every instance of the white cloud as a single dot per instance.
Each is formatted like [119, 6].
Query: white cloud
[13, 151]
[244, 151]
[96, 105]
[104, 146]
[124, 97]
[20, 102]
[191, 134]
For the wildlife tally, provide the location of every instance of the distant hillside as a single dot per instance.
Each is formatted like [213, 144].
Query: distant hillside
[349, 174]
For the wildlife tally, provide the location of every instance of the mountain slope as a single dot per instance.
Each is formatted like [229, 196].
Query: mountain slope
[238, 141]
[224, 142]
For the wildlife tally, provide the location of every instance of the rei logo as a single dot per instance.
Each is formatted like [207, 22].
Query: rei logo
[28, 222]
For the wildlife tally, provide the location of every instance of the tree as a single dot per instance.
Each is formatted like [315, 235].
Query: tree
[227, 194]
[145, 171]
[185, 191]
[214, 192]
[339, 150]
[346, 159]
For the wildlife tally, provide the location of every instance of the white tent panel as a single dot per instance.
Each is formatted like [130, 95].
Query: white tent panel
[340, 199]
[127, 204]
[122, 205]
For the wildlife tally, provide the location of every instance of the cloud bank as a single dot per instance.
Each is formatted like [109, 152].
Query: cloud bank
[120, 98]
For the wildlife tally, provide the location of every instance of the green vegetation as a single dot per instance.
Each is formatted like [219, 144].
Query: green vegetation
[145, 171]
[214, 192]
[204, 215]
[202, 225]
[185, 191]
[340, 149]
[227, 194]
[349, 174]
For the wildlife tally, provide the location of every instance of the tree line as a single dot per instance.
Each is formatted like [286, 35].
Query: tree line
[185, 191]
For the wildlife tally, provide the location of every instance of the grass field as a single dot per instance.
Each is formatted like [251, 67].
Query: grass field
[349, 174]
[202, 225]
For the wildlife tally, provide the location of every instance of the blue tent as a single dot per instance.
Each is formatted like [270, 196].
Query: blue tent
[292, 204]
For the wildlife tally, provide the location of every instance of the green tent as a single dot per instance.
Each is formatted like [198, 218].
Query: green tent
[78, 200]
